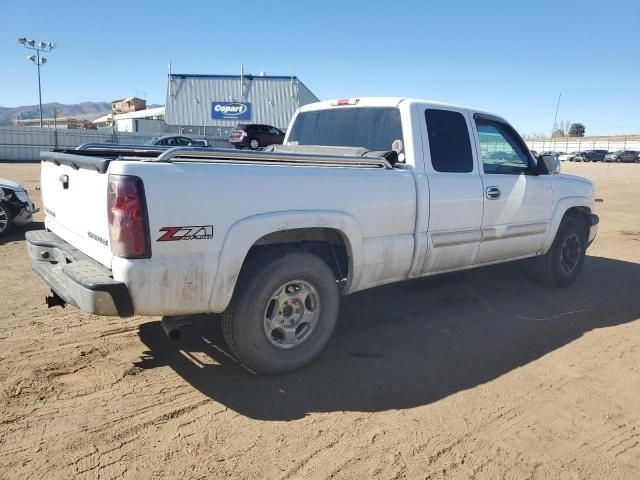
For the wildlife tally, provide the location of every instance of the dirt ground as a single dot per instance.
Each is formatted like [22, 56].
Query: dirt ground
[480, 374]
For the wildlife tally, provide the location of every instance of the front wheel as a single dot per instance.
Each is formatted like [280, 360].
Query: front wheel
[6, 219]
[560, 266]
[282, 313]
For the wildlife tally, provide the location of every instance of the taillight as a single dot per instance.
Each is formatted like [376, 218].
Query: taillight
[128, 221]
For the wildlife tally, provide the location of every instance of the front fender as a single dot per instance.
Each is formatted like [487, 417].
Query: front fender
[246, 232]
[562, 206]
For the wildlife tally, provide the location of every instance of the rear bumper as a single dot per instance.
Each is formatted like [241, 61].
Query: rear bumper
[76, 278]
[593, 229]
[239, 141]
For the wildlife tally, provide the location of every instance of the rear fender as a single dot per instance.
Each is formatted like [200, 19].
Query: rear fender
[246, 232]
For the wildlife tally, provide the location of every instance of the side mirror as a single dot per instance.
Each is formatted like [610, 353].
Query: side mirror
[551, 163]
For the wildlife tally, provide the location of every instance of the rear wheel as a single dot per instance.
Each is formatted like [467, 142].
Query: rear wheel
[6, 219]
[254, 144]
[560, 266]
[283, 311]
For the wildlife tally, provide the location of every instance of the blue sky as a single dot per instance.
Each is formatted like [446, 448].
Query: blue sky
[511, 57]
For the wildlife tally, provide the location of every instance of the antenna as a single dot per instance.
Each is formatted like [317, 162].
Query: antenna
[170, 81]
[555, 118]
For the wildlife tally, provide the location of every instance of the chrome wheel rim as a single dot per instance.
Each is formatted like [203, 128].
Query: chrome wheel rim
[570, 254]
[4, 219]
[254, 144]
[291, 314]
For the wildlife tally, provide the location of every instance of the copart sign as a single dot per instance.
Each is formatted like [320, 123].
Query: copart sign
[230, 110]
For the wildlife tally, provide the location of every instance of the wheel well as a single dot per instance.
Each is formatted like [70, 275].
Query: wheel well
[327, 243]
[581, 214]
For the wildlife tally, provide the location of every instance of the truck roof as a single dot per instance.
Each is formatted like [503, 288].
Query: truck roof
[387, 102]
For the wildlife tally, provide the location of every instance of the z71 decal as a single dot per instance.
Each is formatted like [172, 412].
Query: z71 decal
[199, 232]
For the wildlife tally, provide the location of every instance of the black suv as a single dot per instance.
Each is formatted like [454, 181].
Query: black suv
[591, 156]
[254, 136]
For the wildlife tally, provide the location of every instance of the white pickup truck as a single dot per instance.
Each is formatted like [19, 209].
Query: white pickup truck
[363, 192]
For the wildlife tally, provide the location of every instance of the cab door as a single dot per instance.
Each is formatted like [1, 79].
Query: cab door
[517, 200]
[455, 189]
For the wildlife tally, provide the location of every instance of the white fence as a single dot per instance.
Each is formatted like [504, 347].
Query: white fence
[24, 144]
[580, 144]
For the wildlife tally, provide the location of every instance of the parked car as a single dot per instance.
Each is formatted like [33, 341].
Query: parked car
[623, 156]
[254, 136]
[567, 157]
[177, 141]
[553, 154]
[591, 156]
[16, 208]
[364, 192]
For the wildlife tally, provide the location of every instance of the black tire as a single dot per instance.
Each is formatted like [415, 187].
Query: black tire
[239, 146]
[251, 144]
[6, 219]
[560, 266]
[246, 320]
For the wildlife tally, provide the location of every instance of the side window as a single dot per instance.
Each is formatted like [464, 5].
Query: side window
[449, 141]
[500, 150]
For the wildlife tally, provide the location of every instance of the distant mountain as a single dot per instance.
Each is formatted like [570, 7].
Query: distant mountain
[87, 110]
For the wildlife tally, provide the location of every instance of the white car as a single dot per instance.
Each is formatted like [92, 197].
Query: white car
[568, 156]
[364, 192]
[16, 208]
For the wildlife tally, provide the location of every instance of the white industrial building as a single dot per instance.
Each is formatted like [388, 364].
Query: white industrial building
[212, 105]
[150, 120]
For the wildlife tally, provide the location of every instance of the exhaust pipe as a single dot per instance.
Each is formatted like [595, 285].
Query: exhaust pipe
[173, 326]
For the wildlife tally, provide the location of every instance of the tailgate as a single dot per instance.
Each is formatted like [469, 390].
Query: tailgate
[75, 206]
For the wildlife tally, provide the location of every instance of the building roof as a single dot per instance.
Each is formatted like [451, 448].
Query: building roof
[128, 99]
[273, 98]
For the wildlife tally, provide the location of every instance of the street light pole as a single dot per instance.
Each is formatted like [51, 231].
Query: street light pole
[38, 59]
[39, 87]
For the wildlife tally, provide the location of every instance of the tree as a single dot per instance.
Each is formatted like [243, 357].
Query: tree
[576, 130]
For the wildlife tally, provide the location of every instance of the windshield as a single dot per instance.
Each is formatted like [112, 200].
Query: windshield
[373, 128]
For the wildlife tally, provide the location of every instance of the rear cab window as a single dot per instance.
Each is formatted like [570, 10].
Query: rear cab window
[373, 128]
[449, 141]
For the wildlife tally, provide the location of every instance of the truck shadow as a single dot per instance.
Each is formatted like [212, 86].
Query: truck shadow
[410, 344]
[17, 233]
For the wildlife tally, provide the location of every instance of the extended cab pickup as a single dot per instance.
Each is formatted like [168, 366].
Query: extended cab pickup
[363, 192]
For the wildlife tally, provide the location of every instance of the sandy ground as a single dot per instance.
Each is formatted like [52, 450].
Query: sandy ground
[481, 374]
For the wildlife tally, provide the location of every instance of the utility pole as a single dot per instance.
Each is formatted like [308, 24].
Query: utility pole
[38, 59]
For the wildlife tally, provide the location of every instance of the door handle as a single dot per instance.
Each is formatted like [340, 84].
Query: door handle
[493, 193]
